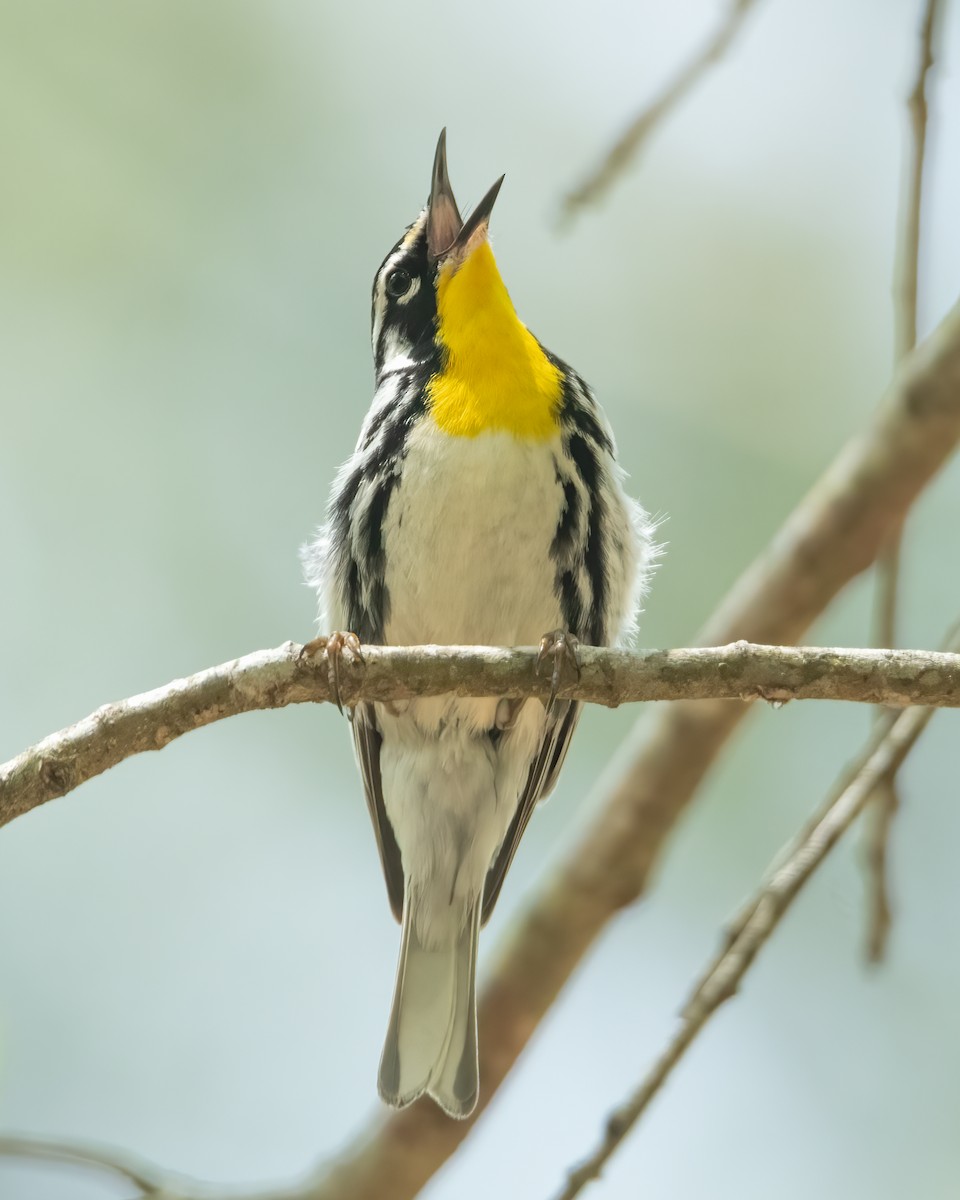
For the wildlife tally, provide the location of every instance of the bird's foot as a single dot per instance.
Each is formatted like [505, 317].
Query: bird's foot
[560, 646]
[334, 648]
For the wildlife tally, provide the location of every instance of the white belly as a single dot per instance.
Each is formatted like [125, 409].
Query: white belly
[467, 540]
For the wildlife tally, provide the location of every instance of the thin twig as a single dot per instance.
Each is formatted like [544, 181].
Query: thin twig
[906, 275]
[148, 1178]
[626, 147]
[736, 925]
[908, 240]
[275, 678]
[876, 854]
[721, 980]
[152, 1182]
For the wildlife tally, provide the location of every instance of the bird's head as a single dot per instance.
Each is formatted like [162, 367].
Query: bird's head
[441, 268]
[439, 300]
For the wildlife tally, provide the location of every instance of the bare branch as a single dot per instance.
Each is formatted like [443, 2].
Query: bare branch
[627, 146]
[906, 274]
[739, 922]
[153, 1182]
[149, 1179]
[876, 863]
[882, 727]
[722, 980]
[908, 238]
[275, 678]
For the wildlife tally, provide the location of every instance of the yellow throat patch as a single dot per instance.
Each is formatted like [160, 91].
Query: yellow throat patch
[496, 376]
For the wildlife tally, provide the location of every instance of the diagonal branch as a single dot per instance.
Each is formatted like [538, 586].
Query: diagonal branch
[275, 678]
[746, 912]
[906, 274]
[762, 914]
[626, 147]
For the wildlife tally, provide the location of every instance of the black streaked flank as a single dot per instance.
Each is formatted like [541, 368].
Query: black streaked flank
[359, 510]
[374, 425]
[342, 502]
[586, 421]
[564, 540]
[403, 417]
[370, 533]
[578, 409]
[585, 457]
[595, 559]
[587, 443]
[588, 466]
[571, 603]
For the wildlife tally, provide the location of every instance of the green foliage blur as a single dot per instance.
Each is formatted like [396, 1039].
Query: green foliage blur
[196, 952]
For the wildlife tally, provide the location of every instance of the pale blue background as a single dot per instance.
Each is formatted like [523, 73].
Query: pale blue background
[196, 953]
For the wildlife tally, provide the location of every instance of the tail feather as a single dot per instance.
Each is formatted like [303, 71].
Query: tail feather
[431, 1043]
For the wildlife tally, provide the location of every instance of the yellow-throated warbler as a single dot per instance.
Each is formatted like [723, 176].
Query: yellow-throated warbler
[482, 505]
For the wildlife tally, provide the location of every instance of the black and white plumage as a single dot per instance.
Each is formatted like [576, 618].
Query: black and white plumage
[492, 538]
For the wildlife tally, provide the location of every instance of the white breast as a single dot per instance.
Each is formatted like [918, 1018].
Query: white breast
[467, 538]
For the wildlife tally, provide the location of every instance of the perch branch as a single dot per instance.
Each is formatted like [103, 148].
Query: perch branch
[627, 146]
[275, 678]
[906, 273]
[721, 981]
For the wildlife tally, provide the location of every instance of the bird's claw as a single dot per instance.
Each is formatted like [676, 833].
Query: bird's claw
[333, 648]
[560, 646]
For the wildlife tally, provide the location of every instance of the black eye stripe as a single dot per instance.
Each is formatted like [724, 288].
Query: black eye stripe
[404, 320]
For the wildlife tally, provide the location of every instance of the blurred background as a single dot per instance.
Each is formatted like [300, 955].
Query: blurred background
[196, 953]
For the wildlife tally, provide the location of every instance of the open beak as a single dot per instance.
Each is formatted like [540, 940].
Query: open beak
[447, 232]
[443, 217]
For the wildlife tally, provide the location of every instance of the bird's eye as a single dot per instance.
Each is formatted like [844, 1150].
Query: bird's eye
[398, 283]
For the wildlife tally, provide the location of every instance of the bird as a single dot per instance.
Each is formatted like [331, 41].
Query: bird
[483, 504]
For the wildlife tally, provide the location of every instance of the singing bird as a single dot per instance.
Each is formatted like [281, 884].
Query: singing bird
[482, 505]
